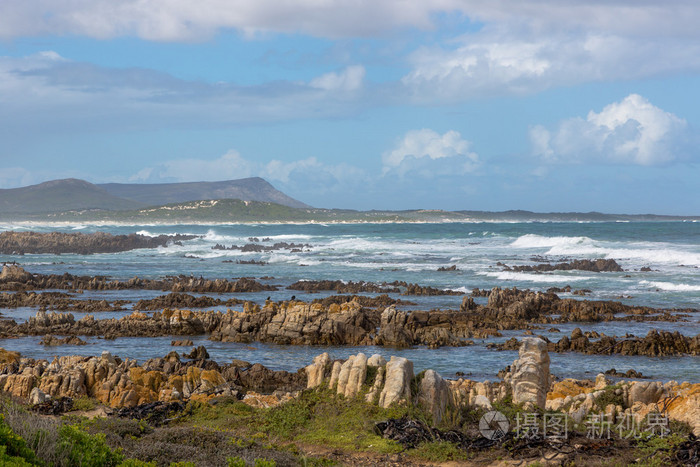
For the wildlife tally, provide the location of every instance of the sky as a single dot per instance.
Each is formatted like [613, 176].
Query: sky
[568, 105]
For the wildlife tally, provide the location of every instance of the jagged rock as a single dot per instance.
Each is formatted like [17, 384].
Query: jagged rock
[645, 392]
[14, 273]
[598, 265]
[399, 374]
[356, 378]
[8, 357]
[335, 374]
[182, 343]
[37, 396]
[529, 379]
[198, 353]
[482, 402]
[468, 304]
[392, 330]
[601, 382]
[341, 287]
[14, 243]
[315, 372]
[182, 300]
[376, 360]
[685, 405]
[344, 375]
[53, 341]
[654, 344]
[434, 394]
[373, 393]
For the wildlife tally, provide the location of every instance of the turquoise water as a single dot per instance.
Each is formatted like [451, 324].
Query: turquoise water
[411, 253]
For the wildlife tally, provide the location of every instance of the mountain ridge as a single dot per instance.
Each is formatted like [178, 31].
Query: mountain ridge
[245, 189]
[73, 194]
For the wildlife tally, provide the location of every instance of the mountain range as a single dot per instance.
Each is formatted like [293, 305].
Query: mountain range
[78, 195]
[243, 200]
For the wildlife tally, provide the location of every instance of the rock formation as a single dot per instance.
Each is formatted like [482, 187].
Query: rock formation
[529, 377]
[19, 243]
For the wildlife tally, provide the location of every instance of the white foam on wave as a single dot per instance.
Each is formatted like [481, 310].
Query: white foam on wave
[522, 276]
[285, 237]
[540, 241]
[146, 233]
[640, 253]
[671, 287]
[648, 254]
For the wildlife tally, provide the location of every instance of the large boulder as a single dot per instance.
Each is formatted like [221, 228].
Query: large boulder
[316, 371]
[356, 378]
[529, 378]
[434, 394]
[399, 374]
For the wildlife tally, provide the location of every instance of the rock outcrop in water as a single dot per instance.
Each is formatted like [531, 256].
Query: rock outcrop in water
[350, 323]
[14, 278]
[654, 344]
[19, 243]
[341, 287]
[597, 265]
[58, 301]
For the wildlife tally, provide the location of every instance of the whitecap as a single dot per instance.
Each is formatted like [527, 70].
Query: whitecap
[539, 241]
[521, 276]
[671, 287]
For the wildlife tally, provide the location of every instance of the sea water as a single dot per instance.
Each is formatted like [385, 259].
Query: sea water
[411, 252]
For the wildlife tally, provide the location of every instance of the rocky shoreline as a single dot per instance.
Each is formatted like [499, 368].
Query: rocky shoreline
[527, 382]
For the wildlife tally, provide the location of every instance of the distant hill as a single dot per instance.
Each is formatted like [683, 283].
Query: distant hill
[78, 195]
[246, 189]
[61, 195]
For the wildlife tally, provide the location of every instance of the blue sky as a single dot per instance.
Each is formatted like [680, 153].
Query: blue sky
[443, 104]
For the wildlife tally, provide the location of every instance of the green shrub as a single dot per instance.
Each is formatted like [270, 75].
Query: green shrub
[264, 463]
[84, 403]
[609, 397]
[87, 450]
[439, 451]
[136, 463]
[182, 464]
[235, 462]
[14, 447]
[12, 461]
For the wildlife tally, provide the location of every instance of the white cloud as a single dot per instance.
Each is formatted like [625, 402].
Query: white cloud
[56, 94]
[227, 167]
[430, 153]
[304, 175]
[184, 20]
[349, 79]
[500, 61]
[632, 131]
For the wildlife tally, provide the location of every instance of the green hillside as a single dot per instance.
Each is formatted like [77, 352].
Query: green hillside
[61, 195]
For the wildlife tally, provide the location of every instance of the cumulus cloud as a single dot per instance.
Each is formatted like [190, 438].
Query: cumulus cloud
[429, 153]
[504, 61]
[632, 131]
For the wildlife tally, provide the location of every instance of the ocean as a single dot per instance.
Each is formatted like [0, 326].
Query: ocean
[410, 252]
